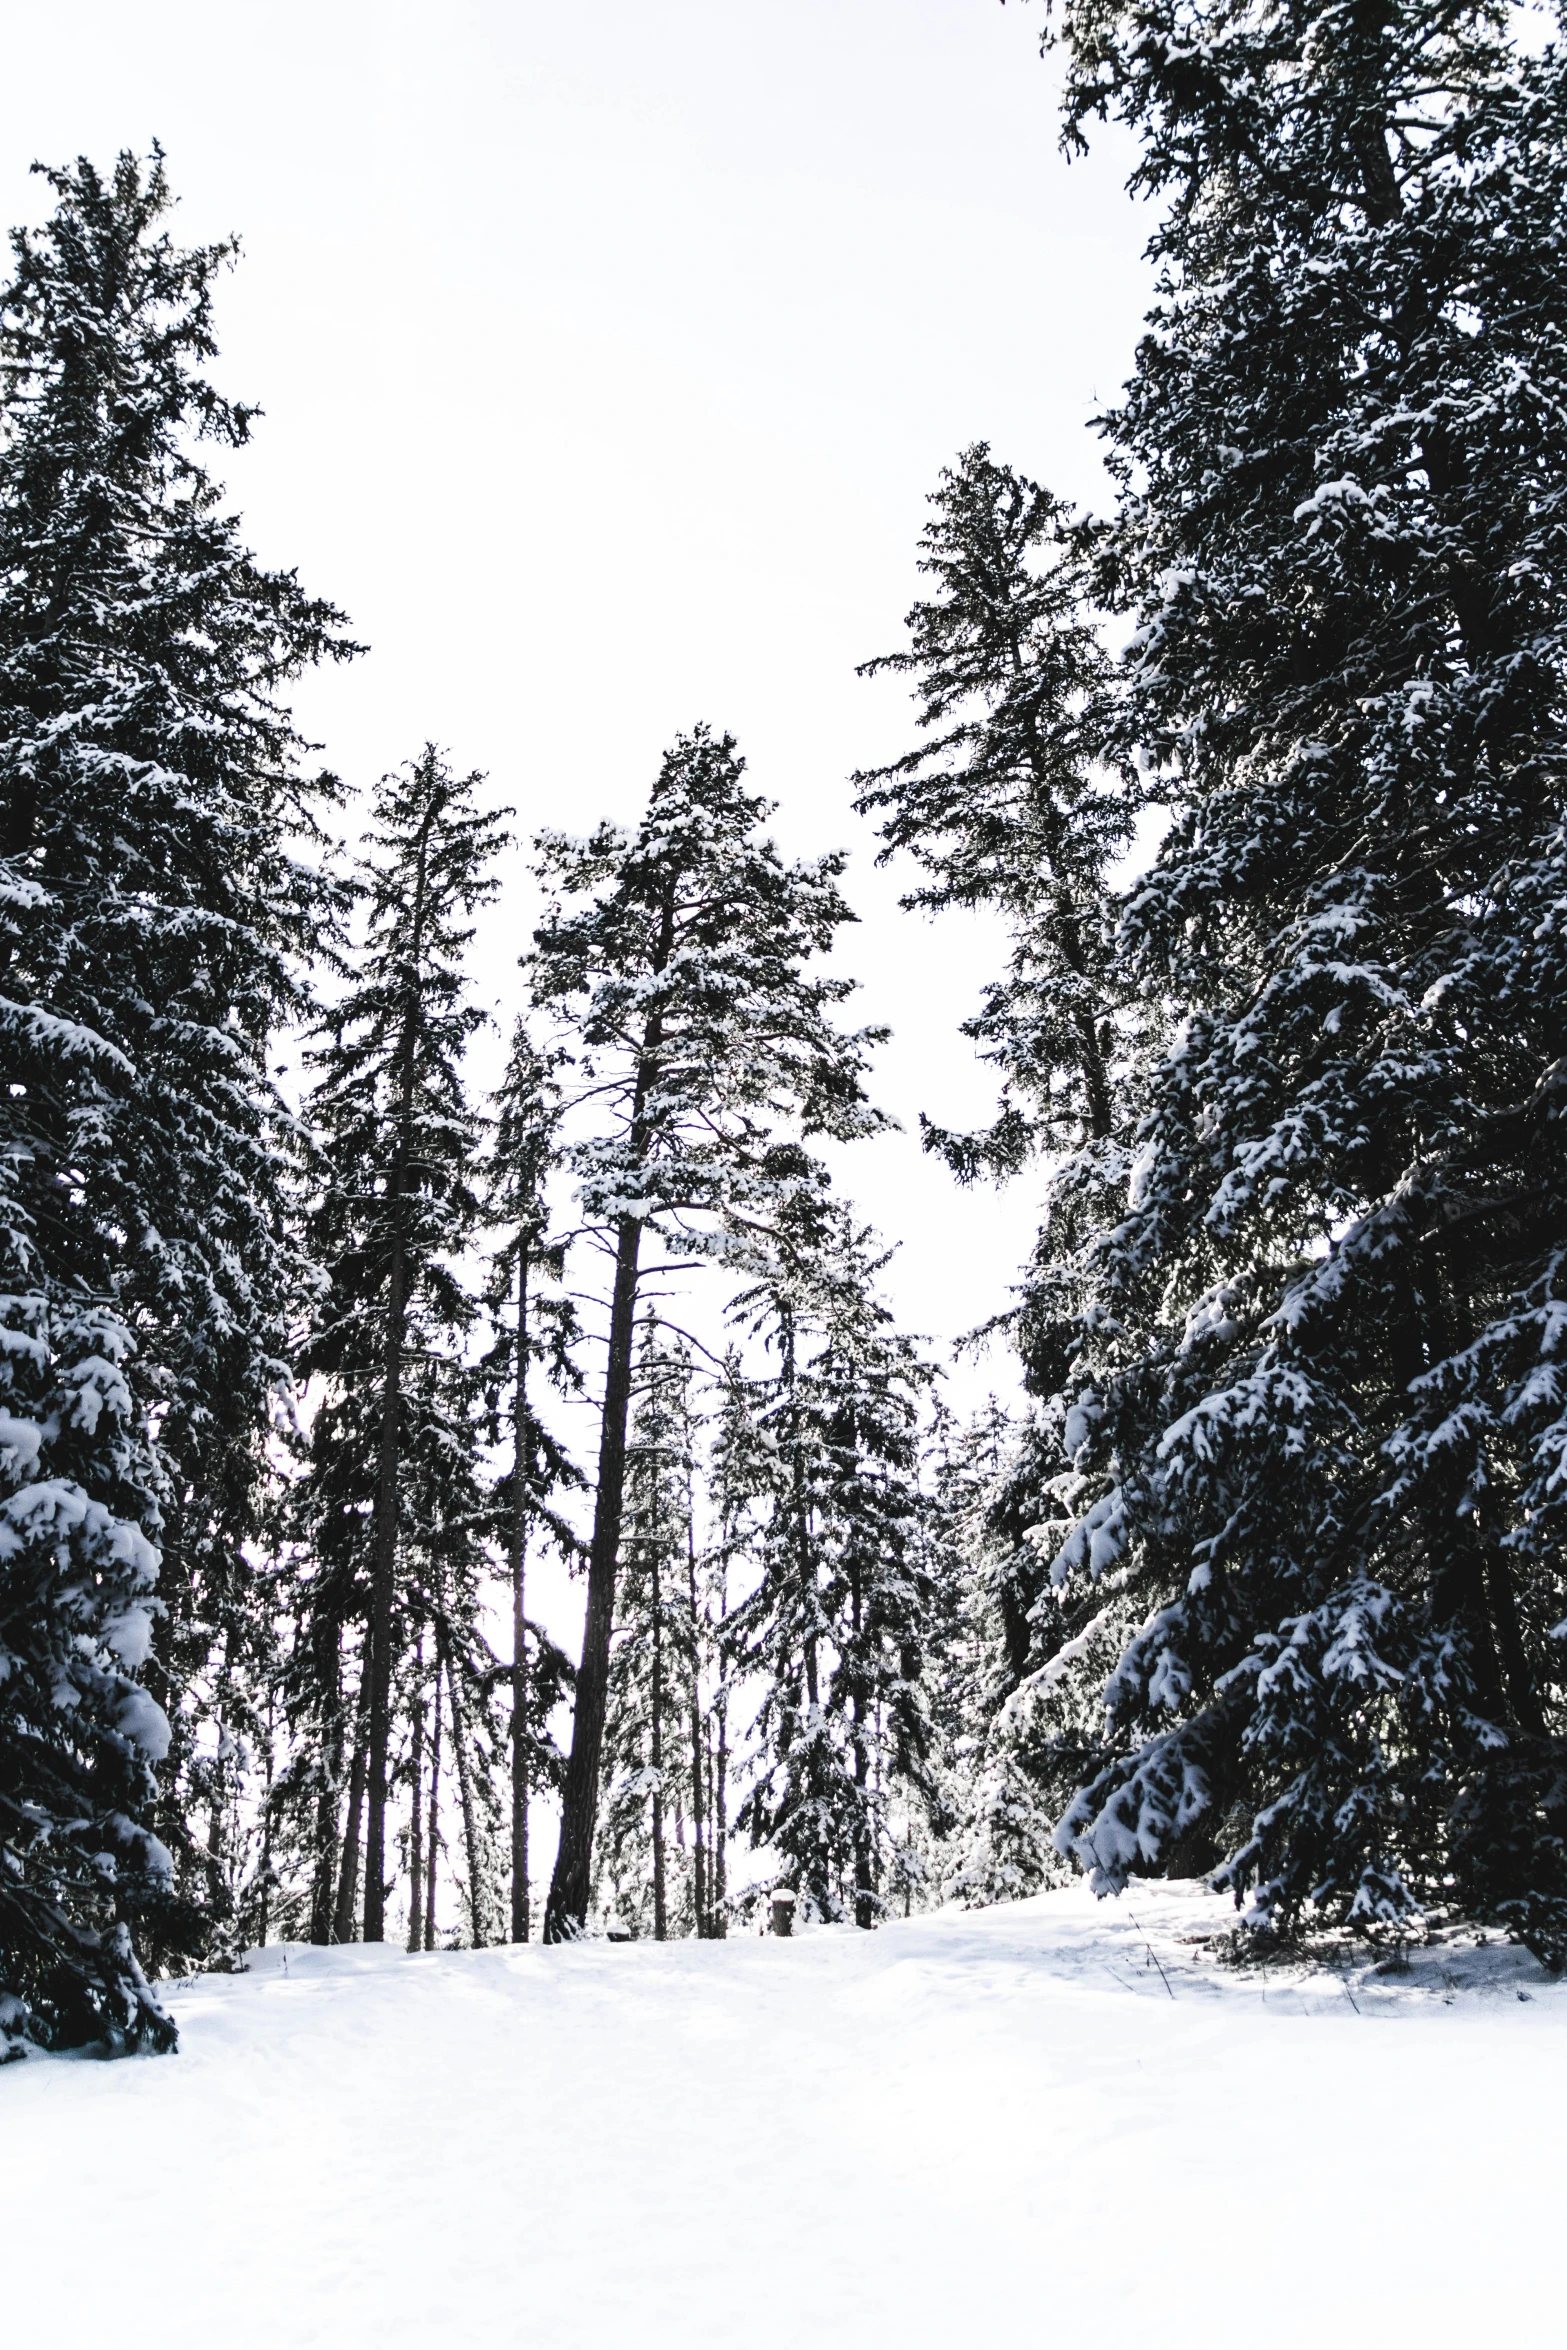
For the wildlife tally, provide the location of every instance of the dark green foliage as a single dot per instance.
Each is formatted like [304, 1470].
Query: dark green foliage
[158, 900]
[681, 954]
[393, 1478]
[840, 1615]
[1301, 1441]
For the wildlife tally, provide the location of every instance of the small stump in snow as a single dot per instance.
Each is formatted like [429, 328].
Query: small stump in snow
[783, 1912]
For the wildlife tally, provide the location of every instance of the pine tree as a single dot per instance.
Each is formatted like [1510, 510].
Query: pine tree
[394, 1436]
[641, 1856]
[1308, 1431]
[158, 901]
[679, 953]
[536, 1330]
[1009, 803]
[837, 1622]
[1000, 1723]
[75, 1520]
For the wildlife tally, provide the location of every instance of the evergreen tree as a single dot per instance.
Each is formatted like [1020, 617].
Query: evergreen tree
[394, 1437]
[642, 1857]
[838, 1619]
[679, 953]
[1308, 1437]
[535, 1330]
[998, 1843]
[158, 899]
[1008, 804]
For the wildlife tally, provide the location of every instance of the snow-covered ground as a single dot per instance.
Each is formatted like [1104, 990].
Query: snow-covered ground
[1056, 2123]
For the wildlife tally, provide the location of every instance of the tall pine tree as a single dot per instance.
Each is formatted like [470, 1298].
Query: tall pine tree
[841, 1609]
[399, 1202]
[1306, 1424]
[158, 900]
[536, 1329]
[679, 952]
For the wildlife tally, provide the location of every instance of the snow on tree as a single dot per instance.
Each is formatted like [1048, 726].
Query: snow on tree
[158, 899]
[645, 1869]
[837, 1621]
[536, 1329]
[1303, 1392]
[394, 1438]
[1008, 804]
[78, 1734]
[678, 953]
[996, 1840]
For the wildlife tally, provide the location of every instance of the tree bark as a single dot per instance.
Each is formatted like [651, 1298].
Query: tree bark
[326, 1660]
[520, 1467]
[470, 1818]
[348, 1880]
[433, 1839]
[720, 1809]
[266, 1829]
[698, 1851]
[660, 1899]
[416, 1806]
[864, 1871]
[566, 1912]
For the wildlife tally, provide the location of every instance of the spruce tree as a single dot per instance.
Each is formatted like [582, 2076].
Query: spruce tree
[535, 1326]
[837, 1622]
[158, 901]
[394, 1437]
[679, 953]
[1306, 1427]
[642, 1856]
[1008, 803]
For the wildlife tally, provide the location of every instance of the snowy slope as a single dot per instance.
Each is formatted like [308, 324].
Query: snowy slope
[973, 2129]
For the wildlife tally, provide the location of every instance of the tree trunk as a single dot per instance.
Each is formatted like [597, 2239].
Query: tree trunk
[720, 1812]
[470, 1819]
[698, 1850]
[433, 1839]
[521, 1467]
[348, 1880]
[864, 1878]
[416, 1805]
[567, 1911]
[266, 1829]
[660, 1905]
[326, 1665]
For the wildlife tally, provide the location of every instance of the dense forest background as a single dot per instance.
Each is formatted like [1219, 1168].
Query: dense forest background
[337, 1305]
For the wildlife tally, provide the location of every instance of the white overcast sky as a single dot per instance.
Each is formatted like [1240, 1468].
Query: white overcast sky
[609, 349]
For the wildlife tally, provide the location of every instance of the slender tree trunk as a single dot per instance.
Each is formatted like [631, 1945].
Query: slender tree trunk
[864, 1878]
[567, 1912]
[416, 1805]
[382, 1591]
[721, 1770]
[698, 1850]
[470, 1817]
[326, 1660]
[384, 1583]
[521, 1467]
[348, 1880]
[660, 1906]
[433, 1839]
[266, 1826]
